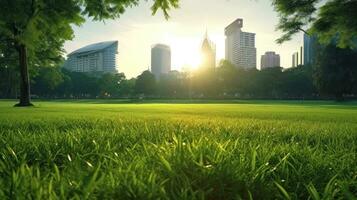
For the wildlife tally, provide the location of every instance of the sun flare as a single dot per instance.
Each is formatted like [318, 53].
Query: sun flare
[185, 53]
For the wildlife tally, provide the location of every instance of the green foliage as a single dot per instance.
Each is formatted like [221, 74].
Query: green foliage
[326, 19]
[39, 22]
[335, 72]
[204, 82]
[299, 81]
[48, 79]
[145, 84]
[8, 69]
[126, 88]
[226, 81]
[227, 77]
[174, 84]
[109, 84]
[246, 150]
[165, 6]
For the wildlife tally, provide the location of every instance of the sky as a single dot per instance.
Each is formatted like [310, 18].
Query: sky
[137, 30]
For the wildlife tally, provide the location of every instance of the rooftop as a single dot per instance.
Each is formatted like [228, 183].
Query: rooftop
[163, 46]
[93, 47]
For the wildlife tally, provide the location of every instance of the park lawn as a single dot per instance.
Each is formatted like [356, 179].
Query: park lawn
[224, 150]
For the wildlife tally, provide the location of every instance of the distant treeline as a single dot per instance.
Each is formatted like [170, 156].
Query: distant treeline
[223, 82]
[334, 75]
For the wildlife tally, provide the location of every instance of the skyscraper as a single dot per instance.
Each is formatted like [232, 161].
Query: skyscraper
[240, 46]
[208, 53]
[95, 58]
[310, 43]
[160, 60]
[295, 59]
[270, 59]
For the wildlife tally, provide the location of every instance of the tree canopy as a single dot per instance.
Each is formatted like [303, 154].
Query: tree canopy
[226, 81]
[30, 21]
[335, 71]
[326, 19]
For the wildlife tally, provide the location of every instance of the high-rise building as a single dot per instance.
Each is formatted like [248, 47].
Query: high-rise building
[95, 58]
[208, 52]
[301, 54]
[240, 46]
[160, 60]
[295, 59]
[310, 43]
[270, 59]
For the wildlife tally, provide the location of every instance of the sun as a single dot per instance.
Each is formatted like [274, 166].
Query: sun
[185, 53]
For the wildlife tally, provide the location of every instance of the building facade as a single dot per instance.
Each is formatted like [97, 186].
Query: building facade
[95, 58]
[295, 59]
[160, 60]
[240, 47]
[270, 59]
[208, 53]
[310, 43]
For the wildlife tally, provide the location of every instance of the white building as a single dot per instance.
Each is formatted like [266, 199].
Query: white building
[295, 59]
[270, 59]
[160, 60]
[98, 58]
[240, 46]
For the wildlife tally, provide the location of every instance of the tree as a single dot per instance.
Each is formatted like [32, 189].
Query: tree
[297, 82]
[66, 87]
[326, 19]
[248, 82]
[145, 84]
[30, 25]
[109, 84]
[47, 81]
[171, 84]
[270, 81]
[204, 82]
[84, 85]
[227, 78]
[8, 72]
[127, 87]
[335, 71]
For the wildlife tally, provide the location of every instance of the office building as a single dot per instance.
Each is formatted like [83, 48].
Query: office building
[295, 59]
[240, 46]
[310, 44]
[160, 60]
[96, 58]
[270, 59]
[208, 52]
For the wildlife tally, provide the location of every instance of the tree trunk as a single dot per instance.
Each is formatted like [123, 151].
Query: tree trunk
[25, 99]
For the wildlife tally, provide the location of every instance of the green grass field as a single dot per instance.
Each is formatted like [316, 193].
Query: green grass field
[227, 150]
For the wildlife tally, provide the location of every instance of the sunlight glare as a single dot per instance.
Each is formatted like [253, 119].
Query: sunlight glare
[185, 52]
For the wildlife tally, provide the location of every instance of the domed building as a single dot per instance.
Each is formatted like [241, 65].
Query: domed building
[208, 52]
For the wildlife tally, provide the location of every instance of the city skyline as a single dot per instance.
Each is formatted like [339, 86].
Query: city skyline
[183, 33]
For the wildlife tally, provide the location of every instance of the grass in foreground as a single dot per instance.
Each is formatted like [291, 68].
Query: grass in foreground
[269, 150]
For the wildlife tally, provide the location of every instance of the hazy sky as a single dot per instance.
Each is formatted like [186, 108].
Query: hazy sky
[137, 30]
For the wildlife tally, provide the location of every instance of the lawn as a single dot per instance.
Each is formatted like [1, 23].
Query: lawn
[182, 150]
